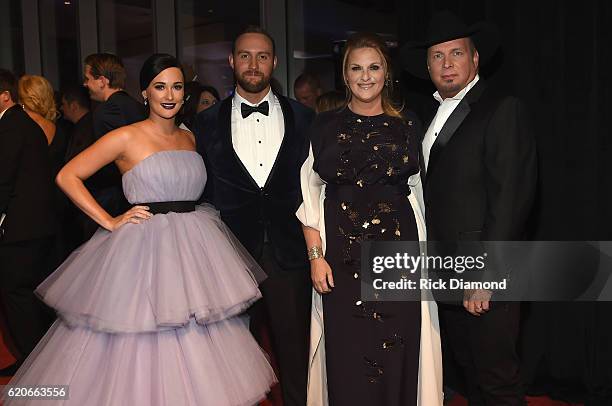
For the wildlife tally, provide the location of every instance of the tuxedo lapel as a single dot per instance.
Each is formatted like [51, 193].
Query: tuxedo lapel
[447, 132]
[453, 122]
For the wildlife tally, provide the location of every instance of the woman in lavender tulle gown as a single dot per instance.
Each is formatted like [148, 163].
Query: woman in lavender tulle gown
[149, 308]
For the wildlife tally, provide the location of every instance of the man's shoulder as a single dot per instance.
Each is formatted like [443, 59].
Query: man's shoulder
[17, 118]
[205, 122]
[118, 110]
[122, 101]
[210, 116]
[491, 96]
[213, 112]
[121, 97]
[298, 108]
[18, 122]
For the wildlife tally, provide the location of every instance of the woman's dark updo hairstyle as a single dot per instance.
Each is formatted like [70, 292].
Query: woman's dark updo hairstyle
[154, 65]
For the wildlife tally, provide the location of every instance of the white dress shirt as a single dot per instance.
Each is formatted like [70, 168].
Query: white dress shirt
[445, 109]
[258, 138]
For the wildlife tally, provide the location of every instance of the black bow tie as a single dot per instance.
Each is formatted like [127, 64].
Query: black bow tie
[247, 110]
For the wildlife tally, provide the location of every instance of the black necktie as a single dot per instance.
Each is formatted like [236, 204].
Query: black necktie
[247, 110]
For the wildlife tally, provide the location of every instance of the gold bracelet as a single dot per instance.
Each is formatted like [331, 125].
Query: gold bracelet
[314, 253]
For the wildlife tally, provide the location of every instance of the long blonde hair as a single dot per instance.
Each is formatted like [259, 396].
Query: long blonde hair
[370, 40]
[36, 94]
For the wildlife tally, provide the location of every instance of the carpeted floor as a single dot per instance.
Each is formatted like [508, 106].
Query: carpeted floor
[6, 359]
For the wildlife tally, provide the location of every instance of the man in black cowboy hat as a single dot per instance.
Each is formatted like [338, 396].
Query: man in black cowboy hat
[479, 168]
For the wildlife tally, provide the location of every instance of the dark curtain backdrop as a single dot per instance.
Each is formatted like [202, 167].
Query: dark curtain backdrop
[555, 56]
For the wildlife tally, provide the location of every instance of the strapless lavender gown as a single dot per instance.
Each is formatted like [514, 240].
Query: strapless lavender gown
[150, 314]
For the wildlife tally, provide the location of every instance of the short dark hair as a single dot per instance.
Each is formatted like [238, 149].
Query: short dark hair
[110, 66]
[8, 83]
[308, 78]
[254, 29]
[78, 94]
[154, 65]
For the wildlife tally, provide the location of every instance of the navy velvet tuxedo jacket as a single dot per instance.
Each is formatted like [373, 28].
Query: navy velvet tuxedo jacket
[256, 214]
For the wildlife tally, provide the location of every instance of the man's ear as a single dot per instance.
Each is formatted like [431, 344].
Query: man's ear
[275, 61]
[105, 82]
[230, 59]
[476, 59]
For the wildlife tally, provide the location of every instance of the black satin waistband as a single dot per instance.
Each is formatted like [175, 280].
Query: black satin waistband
[354, 192]
[167, 207]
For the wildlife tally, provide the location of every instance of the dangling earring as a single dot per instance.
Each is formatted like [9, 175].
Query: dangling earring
[146, 102]
[388, 82]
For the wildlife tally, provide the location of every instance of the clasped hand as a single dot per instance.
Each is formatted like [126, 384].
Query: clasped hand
[477, 301]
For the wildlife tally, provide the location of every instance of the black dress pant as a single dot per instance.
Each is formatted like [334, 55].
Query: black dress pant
[485, 350]
[23, 266]
[285, 308]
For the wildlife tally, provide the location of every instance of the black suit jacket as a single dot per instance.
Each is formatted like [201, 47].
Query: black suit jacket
[252, 212]
[481, 177]
[81, 137]
[119, 110]
[25, 179]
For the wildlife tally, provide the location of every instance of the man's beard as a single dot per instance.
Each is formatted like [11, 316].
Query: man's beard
[450, 88]
[253, 87]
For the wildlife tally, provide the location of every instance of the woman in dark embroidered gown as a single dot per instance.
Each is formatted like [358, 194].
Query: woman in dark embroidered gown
[355, 185]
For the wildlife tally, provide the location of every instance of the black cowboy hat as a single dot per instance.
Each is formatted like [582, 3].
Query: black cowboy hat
[446, 26]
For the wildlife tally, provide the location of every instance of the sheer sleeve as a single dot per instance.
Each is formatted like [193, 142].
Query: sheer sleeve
[310, 213]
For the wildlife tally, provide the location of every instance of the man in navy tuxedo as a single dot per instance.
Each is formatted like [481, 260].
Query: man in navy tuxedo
[254, 144]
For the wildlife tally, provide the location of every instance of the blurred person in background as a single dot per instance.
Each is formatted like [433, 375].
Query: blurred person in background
[36, 96]
[76, 226]
[307, 87]
[104, 77]
[26, 220]
[198, 97]
[332, 100]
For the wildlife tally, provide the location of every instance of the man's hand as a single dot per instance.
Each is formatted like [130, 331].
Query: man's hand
[476, 301]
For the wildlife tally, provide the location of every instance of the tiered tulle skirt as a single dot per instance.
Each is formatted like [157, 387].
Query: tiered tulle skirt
[150, 315]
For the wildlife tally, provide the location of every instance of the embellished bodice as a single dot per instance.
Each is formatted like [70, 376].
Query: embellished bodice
[176, 175]
[367, 150]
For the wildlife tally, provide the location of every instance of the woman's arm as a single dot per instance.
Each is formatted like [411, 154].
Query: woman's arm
[320, 271]
[71, 179]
